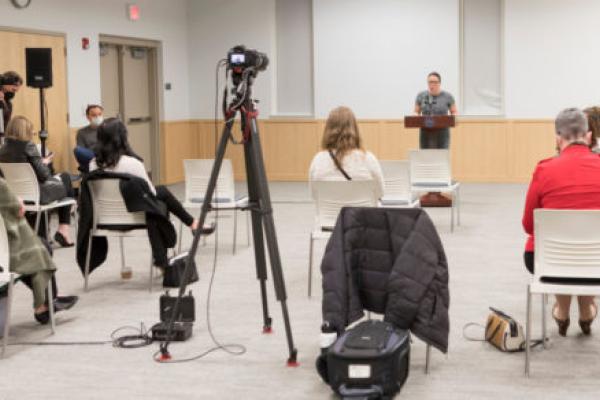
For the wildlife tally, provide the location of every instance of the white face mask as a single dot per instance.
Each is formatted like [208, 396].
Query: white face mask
[97, 121]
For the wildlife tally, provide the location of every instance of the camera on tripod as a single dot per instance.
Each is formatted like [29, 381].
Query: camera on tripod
[239, 59]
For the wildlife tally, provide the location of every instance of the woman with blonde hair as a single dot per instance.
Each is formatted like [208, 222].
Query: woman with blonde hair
[19, 148]
[343, 157]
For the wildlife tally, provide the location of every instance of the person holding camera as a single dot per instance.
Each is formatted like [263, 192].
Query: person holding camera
[10, 83]
[19, 148]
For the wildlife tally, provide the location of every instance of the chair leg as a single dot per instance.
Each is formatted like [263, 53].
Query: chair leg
[38, 217]
[151, 274]
[457, 206]
[427, 358]
[235, 213]
[452, 215]
[310, 261]
[248, 228]
[7, 319]
[86, 273]
[528, 332]
[51, 308]
[180, 237]
[544, 302]
[122, 247]
[48, 237]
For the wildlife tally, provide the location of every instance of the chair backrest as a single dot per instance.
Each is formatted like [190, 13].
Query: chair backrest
[109, 207]
[331, 196]
[4, 255]
[22, 181]
[430, 167]
[396, 177]
[567, 243]
[197, 175]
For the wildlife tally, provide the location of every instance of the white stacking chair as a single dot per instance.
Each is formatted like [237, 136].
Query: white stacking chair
[330, 197]
[111, 218]
[7, 280]
[566, 260]
[397, 189]
[23, 183]
[430, 172]
[197, 175]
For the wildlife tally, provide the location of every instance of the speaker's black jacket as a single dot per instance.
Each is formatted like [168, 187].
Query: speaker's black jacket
[388, 261]
[138, 197]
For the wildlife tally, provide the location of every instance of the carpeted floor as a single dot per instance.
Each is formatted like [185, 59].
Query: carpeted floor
[485, 258]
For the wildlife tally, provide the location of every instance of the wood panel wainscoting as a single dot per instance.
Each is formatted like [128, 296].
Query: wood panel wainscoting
[483, 150]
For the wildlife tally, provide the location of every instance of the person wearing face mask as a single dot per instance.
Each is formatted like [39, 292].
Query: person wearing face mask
[10, 83]
[87, 136]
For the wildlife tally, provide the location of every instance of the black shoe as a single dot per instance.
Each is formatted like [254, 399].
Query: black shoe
[60, 239]
[61, 303]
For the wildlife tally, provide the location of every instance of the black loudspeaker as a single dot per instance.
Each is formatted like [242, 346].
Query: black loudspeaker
[39, 67]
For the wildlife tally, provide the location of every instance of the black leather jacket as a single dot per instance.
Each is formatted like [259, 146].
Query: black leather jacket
[18, 151]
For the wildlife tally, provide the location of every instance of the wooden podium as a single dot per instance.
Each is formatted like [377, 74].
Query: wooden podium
[431, 123]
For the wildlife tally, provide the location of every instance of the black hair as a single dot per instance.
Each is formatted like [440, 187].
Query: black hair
[112, 143]
[90, 107]
[11, 78]
[436, 74]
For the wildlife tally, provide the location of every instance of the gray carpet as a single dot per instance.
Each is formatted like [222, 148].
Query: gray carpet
[485, 258]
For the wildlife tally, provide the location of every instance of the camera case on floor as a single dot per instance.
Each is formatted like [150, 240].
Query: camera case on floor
[368, 361]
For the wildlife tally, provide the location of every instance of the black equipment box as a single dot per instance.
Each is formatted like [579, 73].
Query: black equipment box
[180, 332]
[187, 308]
[370, 361]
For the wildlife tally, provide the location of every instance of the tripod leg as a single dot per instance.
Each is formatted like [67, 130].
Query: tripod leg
[257, 233]
[258, 169]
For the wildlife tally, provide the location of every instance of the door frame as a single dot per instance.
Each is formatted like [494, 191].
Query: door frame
[156, 95]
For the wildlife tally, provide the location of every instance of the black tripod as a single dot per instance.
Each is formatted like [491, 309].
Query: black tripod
[259, 205]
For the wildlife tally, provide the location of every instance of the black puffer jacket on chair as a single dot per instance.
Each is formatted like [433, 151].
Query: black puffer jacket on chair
[389, 261]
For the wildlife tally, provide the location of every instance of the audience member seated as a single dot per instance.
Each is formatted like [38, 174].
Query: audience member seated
[593, 117]
[114, 154]
[343, 157]
[87, 137]
[29, 257]
[570, 180]
[19, 148]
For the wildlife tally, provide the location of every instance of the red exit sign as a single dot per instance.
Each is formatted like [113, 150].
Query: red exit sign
[133, 12]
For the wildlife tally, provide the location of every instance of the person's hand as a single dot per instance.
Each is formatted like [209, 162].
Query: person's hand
[48, 159]
[21, 208]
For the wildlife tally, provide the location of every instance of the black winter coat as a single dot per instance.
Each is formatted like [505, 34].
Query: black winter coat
[388, 261]
[137, 197]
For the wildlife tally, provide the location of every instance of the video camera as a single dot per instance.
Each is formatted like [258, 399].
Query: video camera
[239, 59]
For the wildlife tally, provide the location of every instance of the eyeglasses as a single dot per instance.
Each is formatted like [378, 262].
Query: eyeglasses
[433, 82]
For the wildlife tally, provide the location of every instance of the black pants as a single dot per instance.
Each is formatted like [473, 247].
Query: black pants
[64, 213]
[173, 205]
[528, 259]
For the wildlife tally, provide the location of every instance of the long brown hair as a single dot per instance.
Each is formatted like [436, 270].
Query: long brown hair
[593, 116]
[341, 132]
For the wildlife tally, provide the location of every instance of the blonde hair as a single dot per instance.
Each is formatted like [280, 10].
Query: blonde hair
[20, 128]
[341, 132]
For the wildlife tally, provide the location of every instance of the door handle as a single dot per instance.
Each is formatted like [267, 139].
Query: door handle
[138, 120]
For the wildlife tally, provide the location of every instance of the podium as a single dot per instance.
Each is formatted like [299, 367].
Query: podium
[431, 123]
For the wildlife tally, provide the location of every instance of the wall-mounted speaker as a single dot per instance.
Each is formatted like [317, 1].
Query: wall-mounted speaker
[39, 67]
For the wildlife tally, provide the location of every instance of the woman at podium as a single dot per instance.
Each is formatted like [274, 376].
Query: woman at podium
[434, 101]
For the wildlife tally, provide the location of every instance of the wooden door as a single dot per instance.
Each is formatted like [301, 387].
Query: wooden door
[27, 100]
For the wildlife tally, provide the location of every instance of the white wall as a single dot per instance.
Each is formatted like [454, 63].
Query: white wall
[374, 56]
[551, 56]
[165, 21]
[215, 26]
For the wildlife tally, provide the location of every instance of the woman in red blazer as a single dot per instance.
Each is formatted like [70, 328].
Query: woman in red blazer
[570, 180]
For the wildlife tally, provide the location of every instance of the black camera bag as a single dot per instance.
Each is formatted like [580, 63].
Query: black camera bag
[369, 361]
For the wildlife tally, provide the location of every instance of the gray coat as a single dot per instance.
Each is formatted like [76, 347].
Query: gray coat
[388, 261]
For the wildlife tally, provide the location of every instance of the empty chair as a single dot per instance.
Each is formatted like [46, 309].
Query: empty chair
[430, 172]
[397, 189]
[197, 175]
[23, 183]
[330, 197]
[111, 219]
[567, 259]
